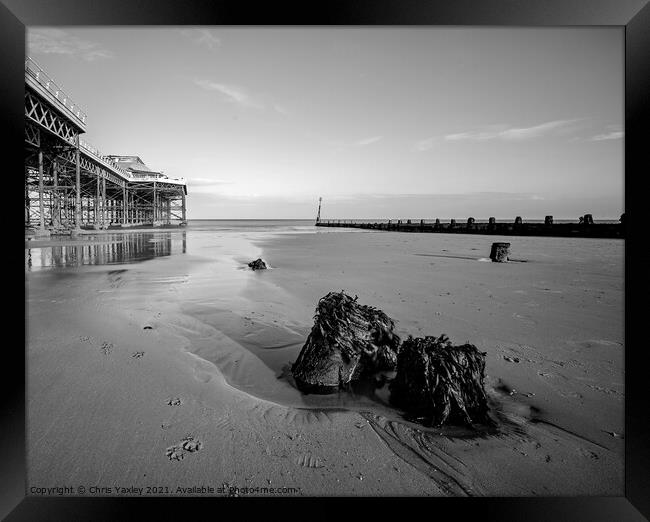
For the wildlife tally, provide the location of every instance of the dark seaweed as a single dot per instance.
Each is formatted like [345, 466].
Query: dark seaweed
[347, 342]
[440, 382]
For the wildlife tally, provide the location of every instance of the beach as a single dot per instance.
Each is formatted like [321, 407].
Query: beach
[158, 363]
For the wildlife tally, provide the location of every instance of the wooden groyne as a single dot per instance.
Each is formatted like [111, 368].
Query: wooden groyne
[584, 227]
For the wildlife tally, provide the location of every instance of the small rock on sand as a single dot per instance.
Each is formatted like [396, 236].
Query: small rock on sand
[258, 264]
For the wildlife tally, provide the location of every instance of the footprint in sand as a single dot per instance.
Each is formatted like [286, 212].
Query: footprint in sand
[588, 453]
[204, 377]
[223, 423]
[174, 453]
[608, 391]
[137, 355]
[174, 402]
[307, 460]
[107, 348]
[187, 444]
[524, 319]
[84, 339]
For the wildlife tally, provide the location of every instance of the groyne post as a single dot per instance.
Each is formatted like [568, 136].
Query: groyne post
[585, 228]
[500, 252]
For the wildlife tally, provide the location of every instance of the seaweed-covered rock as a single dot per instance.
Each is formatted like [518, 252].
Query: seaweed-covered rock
[348, 340]
[258, 264]
[440, 382]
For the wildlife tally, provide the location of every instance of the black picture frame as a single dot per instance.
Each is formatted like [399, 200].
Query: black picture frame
[634, 15]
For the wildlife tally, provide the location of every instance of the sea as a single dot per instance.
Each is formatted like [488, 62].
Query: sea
[136, 245]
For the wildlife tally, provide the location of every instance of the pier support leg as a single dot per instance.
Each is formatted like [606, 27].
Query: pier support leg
[104, 210]
[97, 202]
[77, 203]
[183, 206]
[41, 206]
[124, 199]
[27, 217]
[56, 206]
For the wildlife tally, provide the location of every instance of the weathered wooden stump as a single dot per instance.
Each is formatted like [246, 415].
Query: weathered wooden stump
[470, 221]
[548, 221]
[452, 223]
[588, 219]
[440, 383]
[500, 252]
[518, 220]
[348, 341]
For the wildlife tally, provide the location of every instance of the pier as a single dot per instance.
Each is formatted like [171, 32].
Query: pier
[583, 227]
[71, 186]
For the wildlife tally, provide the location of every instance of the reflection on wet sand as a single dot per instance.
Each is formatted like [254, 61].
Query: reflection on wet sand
[113, 249]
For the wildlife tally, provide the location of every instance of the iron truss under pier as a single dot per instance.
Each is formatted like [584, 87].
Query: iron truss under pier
[70, 185]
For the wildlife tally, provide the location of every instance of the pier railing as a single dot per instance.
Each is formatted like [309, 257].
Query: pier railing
[94, 153]
[36, 72]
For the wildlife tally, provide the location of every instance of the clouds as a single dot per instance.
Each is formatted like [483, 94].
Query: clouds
[616, 135]
[368, 141]
[425, 144]
[613, 132]
[557, 128]
[231, 93]
[241, 96]
[202, 37]
[205, 182]
[206, 185]
[502, 132]
[281, 109]
[337, 146]
[57, 41]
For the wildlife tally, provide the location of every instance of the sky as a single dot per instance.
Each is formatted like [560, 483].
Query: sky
[382, 123]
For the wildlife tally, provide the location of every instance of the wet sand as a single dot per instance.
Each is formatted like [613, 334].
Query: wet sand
[159, 360]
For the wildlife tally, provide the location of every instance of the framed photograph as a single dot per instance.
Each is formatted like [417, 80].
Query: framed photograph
[375, 250]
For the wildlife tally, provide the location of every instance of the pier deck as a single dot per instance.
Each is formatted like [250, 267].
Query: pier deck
[70, 185]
